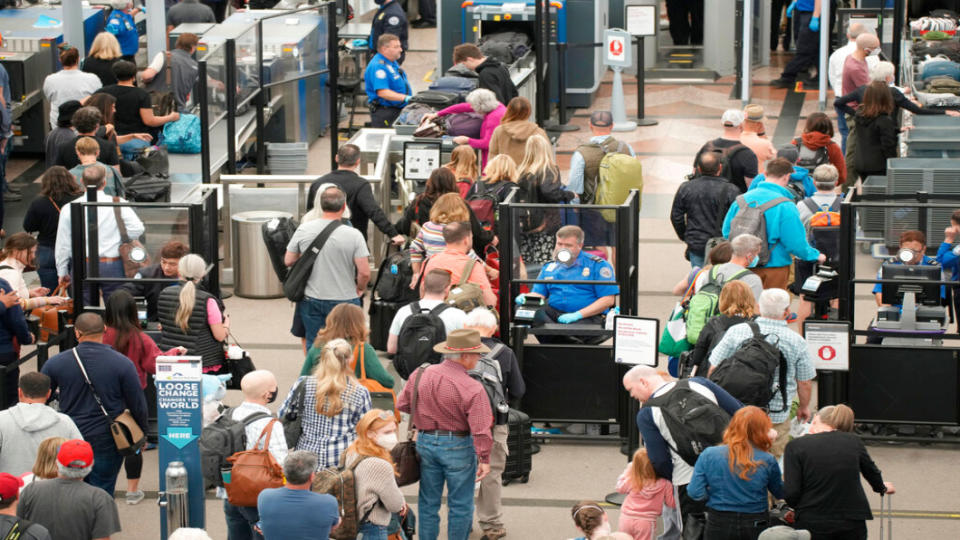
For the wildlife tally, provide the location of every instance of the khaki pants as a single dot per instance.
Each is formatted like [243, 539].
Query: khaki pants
[783, 437]
[489, 512]
[773, 278]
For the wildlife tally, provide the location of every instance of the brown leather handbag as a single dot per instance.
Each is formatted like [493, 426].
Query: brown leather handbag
[127, 434]
[253, 471]
[405, 454]
[133, 254]
[49, 321]
[381, 396]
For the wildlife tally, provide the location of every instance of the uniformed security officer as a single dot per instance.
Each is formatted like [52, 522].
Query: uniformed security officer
[386, 83]
[390, 19]
[567, 303]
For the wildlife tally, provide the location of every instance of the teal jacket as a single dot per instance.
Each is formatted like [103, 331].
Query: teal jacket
[785, 232]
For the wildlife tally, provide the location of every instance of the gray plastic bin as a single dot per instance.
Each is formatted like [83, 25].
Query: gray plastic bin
[253, 275]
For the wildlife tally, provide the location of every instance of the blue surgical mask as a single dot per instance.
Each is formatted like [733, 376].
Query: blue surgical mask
[754, 262]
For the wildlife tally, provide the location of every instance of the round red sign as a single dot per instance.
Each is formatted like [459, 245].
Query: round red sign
[827, 353]
[616, 47]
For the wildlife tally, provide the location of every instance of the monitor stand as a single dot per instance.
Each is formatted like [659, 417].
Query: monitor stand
[908, 323]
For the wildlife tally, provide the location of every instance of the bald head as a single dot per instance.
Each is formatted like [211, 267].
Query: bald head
[257, 386]
[89, 327]
[867, 42]
[642, 381]
[855, 30]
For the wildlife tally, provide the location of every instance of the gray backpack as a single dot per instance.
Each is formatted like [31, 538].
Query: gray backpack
[750, 220]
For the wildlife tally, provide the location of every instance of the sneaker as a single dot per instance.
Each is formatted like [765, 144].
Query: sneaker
[12, 197]
[423, 23]
[493, 534]
[782, 83]
[133, 497]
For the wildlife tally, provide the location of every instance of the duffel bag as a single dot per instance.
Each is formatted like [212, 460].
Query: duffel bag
[466, 124]
[147, 188]
[436, 98]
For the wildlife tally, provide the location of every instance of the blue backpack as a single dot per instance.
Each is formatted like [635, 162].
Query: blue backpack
[183, 136]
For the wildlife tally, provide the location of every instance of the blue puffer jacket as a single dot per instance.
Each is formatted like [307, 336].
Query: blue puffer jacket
[785, 232]
[800, 176]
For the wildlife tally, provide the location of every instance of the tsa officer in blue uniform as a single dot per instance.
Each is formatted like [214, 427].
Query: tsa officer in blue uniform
[567, 303]
[386, 83]
[390, 19]
[121, 24]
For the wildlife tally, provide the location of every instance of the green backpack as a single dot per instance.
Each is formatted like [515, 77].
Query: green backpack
[704, 305]
[619, 173]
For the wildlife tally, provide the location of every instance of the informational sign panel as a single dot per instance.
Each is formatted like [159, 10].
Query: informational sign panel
[420, 159]
[180, 420]
[635, 340]
[617, 50]
[641, 20]
[829, 344]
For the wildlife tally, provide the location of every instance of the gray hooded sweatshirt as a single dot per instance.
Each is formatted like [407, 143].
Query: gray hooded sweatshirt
[22, 429]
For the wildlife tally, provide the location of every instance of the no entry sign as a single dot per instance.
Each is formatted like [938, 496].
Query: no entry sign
[829, 344]
[618, 49]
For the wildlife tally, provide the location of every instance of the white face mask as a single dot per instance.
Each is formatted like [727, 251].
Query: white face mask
[875, 52]
[387, 440]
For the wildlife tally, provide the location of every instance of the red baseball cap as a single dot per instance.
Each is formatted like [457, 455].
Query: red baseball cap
[9, 486]
[75, 453]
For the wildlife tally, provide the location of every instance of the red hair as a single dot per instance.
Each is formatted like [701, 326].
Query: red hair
[748, 429]
[364, 445]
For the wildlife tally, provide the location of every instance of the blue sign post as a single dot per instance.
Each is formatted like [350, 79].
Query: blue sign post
[180, 419]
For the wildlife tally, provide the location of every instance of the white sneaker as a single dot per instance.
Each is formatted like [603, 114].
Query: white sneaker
[133, 497]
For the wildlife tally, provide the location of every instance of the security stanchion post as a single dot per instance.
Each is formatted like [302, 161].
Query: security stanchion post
[641, 22]
[641, 83]
[616, 55]
[180, 420]
[561, 125]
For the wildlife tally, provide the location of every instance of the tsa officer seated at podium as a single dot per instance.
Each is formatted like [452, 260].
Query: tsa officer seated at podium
[911, 242]
[566, 303]
[386, 83]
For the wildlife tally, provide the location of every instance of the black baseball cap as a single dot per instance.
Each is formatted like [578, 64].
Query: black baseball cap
[65, 112]
[601, 119]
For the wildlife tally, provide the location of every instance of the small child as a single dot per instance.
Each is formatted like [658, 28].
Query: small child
[646, 496]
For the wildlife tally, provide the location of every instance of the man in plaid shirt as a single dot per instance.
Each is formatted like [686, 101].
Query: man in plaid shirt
[454, 419]
[774, 310]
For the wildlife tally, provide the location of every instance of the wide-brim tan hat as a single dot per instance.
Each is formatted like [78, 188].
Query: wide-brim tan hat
[461, 342]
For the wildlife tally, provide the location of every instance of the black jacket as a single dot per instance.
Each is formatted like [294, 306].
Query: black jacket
[876, 141]
[390, 19]
[494, 76]
[710, 335]
[150, 291]
[419, 212]
[699, 208]
[822, 477]
[363, 207]
[900, 101]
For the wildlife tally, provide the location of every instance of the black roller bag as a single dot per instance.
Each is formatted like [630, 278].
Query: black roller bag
[519, 448]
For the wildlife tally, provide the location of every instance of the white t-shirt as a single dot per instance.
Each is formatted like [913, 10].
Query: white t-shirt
[66, 85]
[453, 318]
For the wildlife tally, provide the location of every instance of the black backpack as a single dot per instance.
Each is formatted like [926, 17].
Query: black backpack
[810, 159]
[394, 278]
[221, 439]
[484, 201]
[694, 421]
[296, 282]
[726, 156]
[749, 372]
[276, 236]
[488, 374]
[419, 333]
[145, 187]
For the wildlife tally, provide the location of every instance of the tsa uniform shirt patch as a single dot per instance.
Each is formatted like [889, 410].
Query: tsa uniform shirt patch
[393, 21]
[381, 74]
[586, 272]
[606, 273]
[553, 265]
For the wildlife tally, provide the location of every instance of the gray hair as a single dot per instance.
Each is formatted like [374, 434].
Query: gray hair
[745, 244]
[825, 176]
[73, 473]
[192, 267]
[298, 466]
[187, 533]
[882, 71]
[120, 4]
[481, 317]
[332, 199]
[773, 302]
[482, 100]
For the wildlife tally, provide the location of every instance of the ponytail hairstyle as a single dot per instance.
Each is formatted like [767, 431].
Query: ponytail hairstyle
[587, 516]
[192, 268]
[333, 376]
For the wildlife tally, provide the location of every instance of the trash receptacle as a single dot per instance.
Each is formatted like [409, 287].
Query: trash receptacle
[253, 275]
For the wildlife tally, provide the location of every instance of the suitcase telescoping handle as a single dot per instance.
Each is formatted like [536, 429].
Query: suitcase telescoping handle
[886, 510]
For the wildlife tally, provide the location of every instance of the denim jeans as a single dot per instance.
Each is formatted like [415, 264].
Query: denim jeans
[107, 269]
[313, 313]
[240, 521]
[734, 525]
[47, 267]
[372, 531]
[842, 128]
[131, 149]
[452, 460]
[106, 463]
[696, 261]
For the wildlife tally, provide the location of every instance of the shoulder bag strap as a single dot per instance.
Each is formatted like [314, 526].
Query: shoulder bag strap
[124, 237]
[837, 201]
[811, 204]
[358, 359]
[90, 384]
[467, 270]
[264, 437]
[413, 403]
[168, 67]
[55, 205]
[692, 284]
[755, 328]
[19, 528]
[321, 238]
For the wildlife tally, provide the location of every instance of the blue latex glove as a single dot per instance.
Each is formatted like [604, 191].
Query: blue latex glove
[358, 43]
[790, 8]
[815, 24]
[568, 318]
[521, 300]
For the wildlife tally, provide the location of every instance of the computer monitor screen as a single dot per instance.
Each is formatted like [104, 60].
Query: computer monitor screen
[914, 277]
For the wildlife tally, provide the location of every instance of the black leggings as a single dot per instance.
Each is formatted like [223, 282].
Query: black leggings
[133, 465]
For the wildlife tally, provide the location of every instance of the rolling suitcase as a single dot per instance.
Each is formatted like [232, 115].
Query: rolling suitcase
[519, 448]
[886, 510]
[381, 315]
